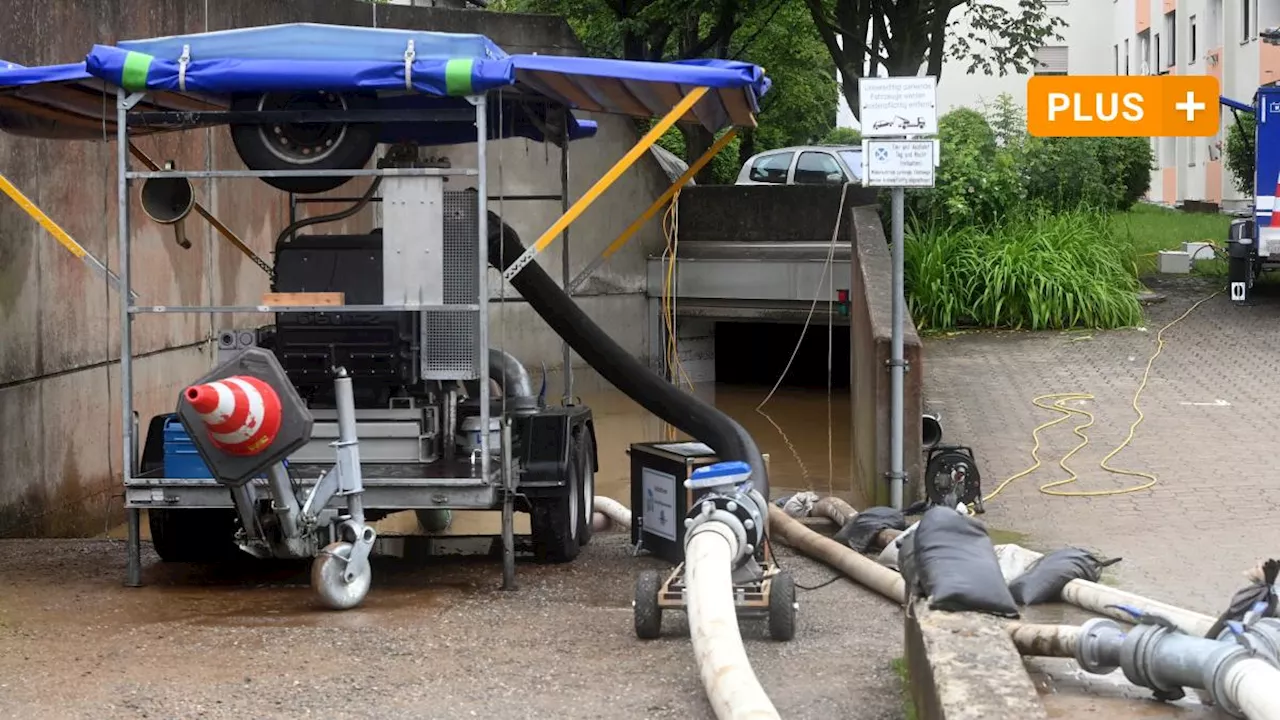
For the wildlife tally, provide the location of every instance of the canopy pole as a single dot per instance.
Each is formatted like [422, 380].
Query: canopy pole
[566, 376]
[655, 208]
[63, 238]
[607, 180]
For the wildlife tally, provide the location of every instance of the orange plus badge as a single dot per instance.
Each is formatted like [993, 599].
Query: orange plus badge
[1123, 106]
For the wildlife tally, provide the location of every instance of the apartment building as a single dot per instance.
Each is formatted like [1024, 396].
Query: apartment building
[1196, 37]
[1148, 37]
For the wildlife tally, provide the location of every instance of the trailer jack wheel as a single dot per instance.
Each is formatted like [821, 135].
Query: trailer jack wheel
[339, 585]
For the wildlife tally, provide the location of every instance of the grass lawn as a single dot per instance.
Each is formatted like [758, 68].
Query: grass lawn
[1151, 229]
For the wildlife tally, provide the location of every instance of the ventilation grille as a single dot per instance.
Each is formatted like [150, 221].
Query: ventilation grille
[450, 340]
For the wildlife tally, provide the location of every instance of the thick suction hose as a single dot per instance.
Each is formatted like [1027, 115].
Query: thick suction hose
[690, 414]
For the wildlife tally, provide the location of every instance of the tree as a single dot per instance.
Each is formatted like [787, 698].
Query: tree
[901, 36]
[1239, 154]
[776, 34]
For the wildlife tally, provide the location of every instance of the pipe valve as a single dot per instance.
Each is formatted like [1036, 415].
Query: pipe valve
[723, 493]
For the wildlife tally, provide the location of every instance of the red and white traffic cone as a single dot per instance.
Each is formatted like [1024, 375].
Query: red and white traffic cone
[242, 413]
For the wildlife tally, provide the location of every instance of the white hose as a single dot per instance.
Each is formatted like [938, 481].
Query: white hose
[727, 677]
[614, 512]
[1251, 686]
[1102, 599]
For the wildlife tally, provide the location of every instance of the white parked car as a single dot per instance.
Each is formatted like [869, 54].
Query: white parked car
[804, 165]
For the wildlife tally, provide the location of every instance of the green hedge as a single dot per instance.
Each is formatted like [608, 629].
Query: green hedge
[991, 170]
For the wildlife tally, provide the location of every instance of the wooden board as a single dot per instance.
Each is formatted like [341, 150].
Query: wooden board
[304, 298]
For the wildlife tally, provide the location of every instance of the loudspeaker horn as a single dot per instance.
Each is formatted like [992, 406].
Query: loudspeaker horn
[168, 201]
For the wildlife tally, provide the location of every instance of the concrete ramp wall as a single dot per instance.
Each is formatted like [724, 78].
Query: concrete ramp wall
[59, 384]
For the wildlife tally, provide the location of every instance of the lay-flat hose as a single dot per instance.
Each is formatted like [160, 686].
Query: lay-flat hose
[690, 414]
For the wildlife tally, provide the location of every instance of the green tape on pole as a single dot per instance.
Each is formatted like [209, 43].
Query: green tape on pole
[457, 76]
[133, 76]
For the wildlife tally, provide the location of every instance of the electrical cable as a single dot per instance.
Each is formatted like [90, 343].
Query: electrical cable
[1059, 406]
[343, 214]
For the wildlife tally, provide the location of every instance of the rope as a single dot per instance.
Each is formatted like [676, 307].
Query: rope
[1059, 406]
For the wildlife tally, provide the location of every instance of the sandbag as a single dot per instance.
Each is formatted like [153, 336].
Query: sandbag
[950, 561]
[799, 505]
[861, 530]
[1044, 580]
[889, 556]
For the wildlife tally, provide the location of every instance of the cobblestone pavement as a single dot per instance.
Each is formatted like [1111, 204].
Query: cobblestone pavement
[1212, 406]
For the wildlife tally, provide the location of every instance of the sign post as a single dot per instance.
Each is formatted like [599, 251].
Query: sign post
[899, 117]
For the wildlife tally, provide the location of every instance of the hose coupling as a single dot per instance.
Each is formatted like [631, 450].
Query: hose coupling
[723, 493]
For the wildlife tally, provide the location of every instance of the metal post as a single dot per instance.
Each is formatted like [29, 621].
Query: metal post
[482, 334]
[134, 550]
[897, 363]
[508, 511]
[567, 355]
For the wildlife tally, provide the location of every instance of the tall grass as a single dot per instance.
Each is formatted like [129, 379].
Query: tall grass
[1150, 229]
[1040, 271]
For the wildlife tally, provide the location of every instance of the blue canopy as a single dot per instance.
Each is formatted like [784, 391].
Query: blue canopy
[404, 69]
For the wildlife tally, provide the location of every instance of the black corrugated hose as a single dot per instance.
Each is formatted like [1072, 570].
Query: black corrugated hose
[690, 414]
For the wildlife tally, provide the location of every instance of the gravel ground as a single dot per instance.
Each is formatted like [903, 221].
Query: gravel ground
[435, 639]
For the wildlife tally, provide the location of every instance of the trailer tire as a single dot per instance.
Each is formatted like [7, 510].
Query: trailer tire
[585, 455]
[203, 535]
[555, 522]
[304, 146]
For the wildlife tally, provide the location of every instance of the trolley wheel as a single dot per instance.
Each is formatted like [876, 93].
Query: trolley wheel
[198, 535]
[555, 523]
[782, 607]
[648, 615]
[329, 583]
[587, 472]
[304, 146]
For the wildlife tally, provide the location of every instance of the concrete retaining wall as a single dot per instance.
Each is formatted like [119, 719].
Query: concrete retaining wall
[765, 213]
[60, 452]
[870, 319]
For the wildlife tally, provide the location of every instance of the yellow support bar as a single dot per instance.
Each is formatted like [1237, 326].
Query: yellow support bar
[656, 207]
[609, 178]
[57, 232]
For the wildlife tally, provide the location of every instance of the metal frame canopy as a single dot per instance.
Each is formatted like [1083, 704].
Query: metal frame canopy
[430, 88]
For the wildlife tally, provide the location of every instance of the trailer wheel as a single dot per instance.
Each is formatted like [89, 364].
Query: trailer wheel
[782, 607]
[587, 472]
[328, 581]
[648, 614]
[555, 522]
[304, 146]
[201, 535]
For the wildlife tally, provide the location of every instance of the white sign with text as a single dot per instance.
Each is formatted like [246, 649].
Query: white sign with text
[899, 163]
[898, 106]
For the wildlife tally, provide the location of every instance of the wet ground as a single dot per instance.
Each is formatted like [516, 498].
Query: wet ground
[436, 637]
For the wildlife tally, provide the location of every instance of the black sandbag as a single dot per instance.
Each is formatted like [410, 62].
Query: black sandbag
[1044, 580]
[861, 530]
[950, 561]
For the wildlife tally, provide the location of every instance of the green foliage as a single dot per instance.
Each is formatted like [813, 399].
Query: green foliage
[724, 166]
[842, 136]
[1239, 155]
[976, 183]
[991, 168]
[1151, 228]
[775, 34]
[1034, 271]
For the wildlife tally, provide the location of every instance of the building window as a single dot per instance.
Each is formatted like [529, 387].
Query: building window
[1192, 40]
[1215, 24]
[1247, 8]
[1126, 57]
[1155, 70]
[1051, 60]
[1144, 52]
[1116, 50]
[1171, 32]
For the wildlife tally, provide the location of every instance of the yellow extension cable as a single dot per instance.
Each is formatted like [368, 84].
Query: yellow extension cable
[1059, 406]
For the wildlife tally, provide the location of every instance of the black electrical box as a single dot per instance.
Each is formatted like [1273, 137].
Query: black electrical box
[659, 499]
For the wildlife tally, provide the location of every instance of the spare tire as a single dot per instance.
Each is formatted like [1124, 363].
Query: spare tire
[305, 146]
